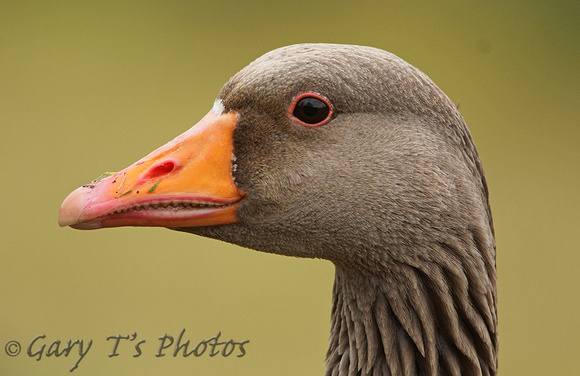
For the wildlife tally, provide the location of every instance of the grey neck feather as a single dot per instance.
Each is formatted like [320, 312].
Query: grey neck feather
[418, 318]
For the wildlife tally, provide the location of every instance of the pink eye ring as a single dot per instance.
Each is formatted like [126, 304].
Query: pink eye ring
[311, 109]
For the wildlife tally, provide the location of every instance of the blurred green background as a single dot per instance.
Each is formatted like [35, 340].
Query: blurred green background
[88, 87]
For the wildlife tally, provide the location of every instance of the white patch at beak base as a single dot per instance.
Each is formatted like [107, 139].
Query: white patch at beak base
[218, 107]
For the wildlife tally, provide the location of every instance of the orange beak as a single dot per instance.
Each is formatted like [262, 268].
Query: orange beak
[187, 182]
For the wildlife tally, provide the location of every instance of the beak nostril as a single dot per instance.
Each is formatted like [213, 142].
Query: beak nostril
[161, 170]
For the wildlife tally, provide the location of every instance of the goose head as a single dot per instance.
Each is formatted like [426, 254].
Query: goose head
[348, 154]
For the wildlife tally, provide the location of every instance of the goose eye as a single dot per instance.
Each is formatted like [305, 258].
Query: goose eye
[311, 109]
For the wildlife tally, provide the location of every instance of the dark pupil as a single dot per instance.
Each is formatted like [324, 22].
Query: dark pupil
[311, 110]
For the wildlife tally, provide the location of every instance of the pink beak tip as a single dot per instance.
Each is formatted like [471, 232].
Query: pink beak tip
[72, 207]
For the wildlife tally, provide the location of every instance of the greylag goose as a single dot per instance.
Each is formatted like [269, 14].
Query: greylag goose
[348, 154]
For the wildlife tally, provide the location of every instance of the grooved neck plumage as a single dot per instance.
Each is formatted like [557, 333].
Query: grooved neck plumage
[416, 318]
